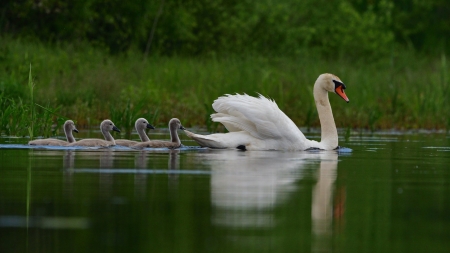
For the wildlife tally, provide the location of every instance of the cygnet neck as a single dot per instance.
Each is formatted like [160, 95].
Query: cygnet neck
[107, 135]
[68, 132]
[173, 134]
[142, 134]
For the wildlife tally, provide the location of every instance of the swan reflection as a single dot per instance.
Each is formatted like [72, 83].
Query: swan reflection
[322, 206]
[247, 186]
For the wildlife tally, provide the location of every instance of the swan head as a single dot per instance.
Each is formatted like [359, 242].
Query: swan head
[332, 83]
[108, 125]
[70, 126]
[142, 123]
[175, 124]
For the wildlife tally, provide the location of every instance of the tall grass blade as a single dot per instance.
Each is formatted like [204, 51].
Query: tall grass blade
[32, 119]
[28, 196]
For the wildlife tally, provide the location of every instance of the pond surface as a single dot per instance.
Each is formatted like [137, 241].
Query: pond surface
[390, 194]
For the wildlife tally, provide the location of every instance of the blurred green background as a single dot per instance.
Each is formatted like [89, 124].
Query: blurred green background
[97, 59]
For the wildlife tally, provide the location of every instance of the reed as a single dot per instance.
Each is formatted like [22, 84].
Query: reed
[32, 111]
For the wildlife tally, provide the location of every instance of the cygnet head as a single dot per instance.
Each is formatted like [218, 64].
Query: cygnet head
[142, 123]
[70, 126]
[107, 125]
[333, 84]
[175, 124]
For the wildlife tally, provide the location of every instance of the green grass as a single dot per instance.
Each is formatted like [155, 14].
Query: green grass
[404, 91]
[18, 118]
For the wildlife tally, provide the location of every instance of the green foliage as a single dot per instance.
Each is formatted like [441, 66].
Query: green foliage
[274, 27]
[358, 34]
[116, 24]
[422, 24]
[351, 28]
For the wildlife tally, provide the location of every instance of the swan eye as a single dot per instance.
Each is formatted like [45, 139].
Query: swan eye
[337, 84]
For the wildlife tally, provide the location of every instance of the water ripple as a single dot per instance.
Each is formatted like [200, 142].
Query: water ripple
[142, 171]
[117, 147]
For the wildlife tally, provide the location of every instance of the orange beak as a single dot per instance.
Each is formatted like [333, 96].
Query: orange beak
[340, 91]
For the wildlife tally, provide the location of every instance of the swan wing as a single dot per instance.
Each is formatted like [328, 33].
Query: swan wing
[260, 117]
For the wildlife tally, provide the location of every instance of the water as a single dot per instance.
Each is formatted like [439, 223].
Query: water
[389, 194]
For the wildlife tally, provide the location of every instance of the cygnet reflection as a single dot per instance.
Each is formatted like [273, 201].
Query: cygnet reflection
[174, 165]
[68, 167]
[140, 179]
[106, 180]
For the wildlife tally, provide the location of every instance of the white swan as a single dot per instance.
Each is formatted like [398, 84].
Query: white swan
[106, 126]
[258, 123]
[69, 126]
[175, 142]
[141, 124]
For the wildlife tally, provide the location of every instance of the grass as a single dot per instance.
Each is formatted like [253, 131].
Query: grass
[13, 116]
[18, 118]
[405, 91]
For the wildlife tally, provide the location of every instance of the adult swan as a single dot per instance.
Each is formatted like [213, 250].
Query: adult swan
[258, 123]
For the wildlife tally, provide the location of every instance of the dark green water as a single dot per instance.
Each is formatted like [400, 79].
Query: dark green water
[391, 194]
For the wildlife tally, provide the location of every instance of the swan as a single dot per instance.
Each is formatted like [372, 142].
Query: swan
[174, 142]
[258, 123]
[106, 126]
[141, 124]
[69, 126]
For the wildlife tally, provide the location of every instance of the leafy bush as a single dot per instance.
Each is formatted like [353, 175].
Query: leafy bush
[353, 28]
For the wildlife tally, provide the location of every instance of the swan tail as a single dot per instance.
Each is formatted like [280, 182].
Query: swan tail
[205, 140]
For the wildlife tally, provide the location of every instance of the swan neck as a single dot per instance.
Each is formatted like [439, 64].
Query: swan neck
[329, 138]
[69, 134]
